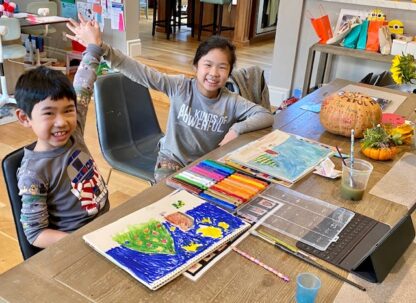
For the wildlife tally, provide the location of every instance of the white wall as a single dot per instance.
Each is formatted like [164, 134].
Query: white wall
[289, 62]
[285, 49]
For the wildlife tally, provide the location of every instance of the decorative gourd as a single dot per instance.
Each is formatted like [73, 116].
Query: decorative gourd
[382, 154]
[378, 144]
[343, 111]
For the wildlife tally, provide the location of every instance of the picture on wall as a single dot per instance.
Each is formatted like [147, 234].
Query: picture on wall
[349, 16]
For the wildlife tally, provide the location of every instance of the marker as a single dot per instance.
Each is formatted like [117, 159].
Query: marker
[184, 179]
[218, 166]
[227, 192]
[225, 197]
[213, 169]
[248, 181]
[218, 201]
[179, 184]
[241, 185]
[206, 172]
[203, 180]
[236, 188]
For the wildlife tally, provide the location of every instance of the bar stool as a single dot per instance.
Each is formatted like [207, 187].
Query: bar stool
[218, 12]
[170, 17]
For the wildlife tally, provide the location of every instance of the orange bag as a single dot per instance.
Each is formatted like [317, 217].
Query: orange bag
[322, 26]
[373, 43]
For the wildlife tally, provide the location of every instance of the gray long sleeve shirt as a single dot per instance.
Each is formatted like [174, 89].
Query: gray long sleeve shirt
[61, 188]
[196, 124]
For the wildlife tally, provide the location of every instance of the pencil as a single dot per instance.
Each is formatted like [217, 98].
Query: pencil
[307, 260]
[265, 266]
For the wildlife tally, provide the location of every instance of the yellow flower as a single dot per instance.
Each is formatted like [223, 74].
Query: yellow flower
[403, 69]
[396, 61]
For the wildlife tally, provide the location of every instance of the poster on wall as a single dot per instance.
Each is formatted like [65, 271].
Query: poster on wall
[86, 10]
[105, 6]
[69, 9]
[117, 16]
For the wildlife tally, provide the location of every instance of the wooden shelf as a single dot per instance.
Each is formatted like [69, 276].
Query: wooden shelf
[327, 52]
[402, 5]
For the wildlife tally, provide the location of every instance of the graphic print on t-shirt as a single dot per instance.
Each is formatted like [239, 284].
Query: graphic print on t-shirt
[201, 120]
[87, 184]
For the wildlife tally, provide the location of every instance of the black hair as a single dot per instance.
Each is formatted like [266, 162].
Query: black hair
[214, 42]
[38, 84]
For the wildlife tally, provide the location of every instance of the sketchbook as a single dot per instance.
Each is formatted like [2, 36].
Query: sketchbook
[161, 241]
[284, 156]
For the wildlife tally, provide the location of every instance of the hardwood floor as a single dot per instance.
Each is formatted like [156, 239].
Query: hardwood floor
[171, 56]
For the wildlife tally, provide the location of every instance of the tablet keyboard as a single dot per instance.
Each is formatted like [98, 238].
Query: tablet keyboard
[349, 237]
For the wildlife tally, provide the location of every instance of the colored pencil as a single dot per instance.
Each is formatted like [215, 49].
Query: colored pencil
[258, 262]
[307, 260]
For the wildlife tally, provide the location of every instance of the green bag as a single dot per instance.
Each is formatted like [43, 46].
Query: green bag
[362, 38]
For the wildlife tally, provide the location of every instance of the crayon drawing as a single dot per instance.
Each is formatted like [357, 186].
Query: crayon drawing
[159, 242]
[281, 155]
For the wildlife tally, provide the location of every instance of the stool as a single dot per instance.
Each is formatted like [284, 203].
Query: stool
[218, 11]
[170, 17]
[69, 56]
[188, 14]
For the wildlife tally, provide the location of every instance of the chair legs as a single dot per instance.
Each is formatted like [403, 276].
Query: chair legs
[170, 17]
[216, 22]
[107, 181]
[5, 98]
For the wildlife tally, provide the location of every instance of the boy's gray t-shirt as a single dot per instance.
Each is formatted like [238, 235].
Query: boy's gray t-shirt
[196, 124]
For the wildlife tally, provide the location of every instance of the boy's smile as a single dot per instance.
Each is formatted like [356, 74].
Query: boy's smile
[53, 122]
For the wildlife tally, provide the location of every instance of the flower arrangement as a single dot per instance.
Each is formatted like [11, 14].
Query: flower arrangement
[403, 69]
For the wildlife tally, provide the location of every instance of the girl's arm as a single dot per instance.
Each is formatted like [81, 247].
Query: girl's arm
[251, 116]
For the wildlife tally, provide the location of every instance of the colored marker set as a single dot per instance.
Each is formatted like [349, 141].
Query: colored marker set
[218, 183]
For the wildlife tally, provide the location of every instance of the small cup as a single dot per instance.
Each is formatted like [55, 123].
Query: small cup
[354, 180]
[307, 286]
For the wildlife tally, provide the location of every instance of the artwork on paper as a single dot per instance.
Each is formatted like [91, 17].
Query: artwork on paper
[282, 155]
[159, 242]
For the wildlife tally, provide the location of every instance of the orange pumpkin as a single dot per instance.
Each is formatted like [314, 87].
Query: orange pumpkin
[343, 111]
[385, 153]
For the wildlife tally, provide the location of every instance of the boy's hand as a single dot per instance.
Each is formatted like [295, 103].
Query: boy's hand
[231, 135]
[85, 32]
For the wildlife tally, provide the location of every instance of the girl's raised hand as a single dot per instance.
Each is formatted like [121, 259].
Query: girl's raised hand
[84, 32]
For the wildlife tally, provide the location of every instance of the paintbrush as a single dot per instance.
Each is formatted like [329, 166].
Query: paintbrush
[307, 260]
[340, 155]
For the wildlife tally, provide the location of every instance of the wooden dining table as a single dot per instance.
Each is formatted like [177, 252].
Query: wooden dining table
[71, 271]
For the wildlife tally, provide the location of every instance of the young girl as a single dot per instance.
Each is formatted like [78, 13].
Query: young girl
[203, 113]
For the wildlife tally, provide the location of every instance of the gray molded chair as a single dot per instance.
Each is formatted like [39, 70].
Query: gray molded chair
[128, 129]
[10, 164]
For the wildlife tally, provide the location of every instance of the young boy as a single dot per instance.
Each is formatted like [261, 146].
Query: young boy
[60, 185]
